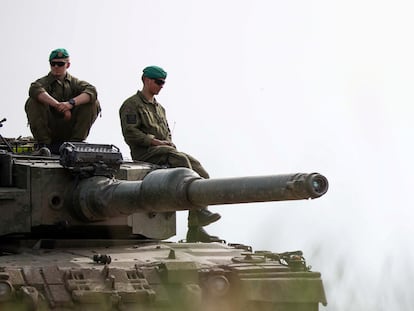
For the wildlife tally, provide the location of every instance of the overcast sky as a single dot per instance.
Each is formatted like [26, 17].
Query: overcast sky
[255, 88]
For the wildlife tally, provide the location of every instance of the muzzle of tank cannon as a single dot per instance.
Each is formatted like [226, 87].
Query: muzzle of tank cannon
[164, 190]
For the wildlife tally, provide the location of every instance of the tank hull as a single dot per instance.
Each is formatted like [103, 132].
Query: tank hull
[123, 275]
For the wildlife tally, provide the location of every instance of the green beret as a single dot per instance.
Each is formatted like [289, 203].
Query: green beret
[58, 53]
[154, 72]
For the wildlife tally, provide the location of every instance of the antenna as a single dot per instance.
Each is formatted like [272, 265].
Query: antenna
[173, 128]
[4, 139]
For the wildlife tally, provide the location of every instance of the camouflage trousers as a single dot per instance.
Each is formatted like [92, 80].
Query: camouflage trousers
[48, 126]
[171, 157]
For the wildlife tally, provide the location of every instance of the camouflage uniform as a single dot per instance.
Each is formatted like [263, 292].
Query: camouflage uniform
[47, 124]
[141, 121]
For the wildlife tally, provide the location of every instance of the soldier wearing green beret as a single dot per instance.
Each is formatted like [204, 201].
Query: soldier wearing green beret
[60, 107]
[146, 131]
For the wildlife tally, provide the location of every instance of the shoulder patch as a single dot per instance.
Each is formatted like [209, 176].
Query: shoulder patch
[131, 118]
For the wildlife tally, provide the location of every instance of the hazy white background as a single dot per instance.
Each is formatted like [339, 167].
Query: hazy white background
[259, 87]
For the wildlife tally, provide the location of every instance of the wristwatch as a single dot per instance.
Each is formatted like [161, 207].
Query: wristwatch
[72, 102]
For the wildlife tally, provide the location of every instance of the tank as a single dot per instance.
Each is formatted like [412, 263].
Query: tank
[86, 230]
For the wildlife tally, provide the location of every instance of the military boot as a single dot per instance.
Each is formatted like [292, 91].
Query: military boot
[198, 234]
[202, 217]
[54, 147]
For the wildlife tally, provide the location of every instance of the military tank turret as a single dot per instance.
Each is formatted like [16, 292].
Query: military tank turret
[85, 230]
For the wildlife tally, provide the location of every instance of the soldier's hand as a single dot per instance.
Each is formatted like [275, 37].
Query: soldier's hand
[63, 107]
[67, 115]
[157, 142]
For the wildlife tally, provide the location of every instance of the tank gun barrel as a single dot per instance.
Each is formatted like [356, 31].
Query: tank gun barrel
[174, 189]
[257, 189]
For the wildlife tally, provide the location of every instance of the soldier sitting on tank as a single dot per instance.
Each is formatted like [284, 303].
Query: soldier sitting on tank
[146, 131]
[60, 107]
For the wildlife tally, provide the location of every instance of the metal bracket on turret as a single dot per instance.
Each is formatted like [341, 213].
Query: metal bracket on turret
[88, 160]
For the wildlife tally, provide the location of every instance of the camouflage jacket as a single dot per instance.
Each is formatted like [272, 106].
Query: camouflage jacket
[141, 121]
[62, 90]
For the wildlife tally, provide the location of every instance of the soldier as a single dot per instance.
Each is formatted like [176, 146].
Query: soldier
[146, 131]
[60, 107]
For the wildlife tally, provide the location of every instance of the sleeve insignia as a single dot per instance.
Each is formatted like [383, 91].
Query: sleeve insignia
[131, 118]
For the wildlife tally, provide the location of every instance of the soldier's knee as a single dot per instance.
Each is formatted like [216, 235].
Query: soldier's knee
[33, 105]
[179, 159]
